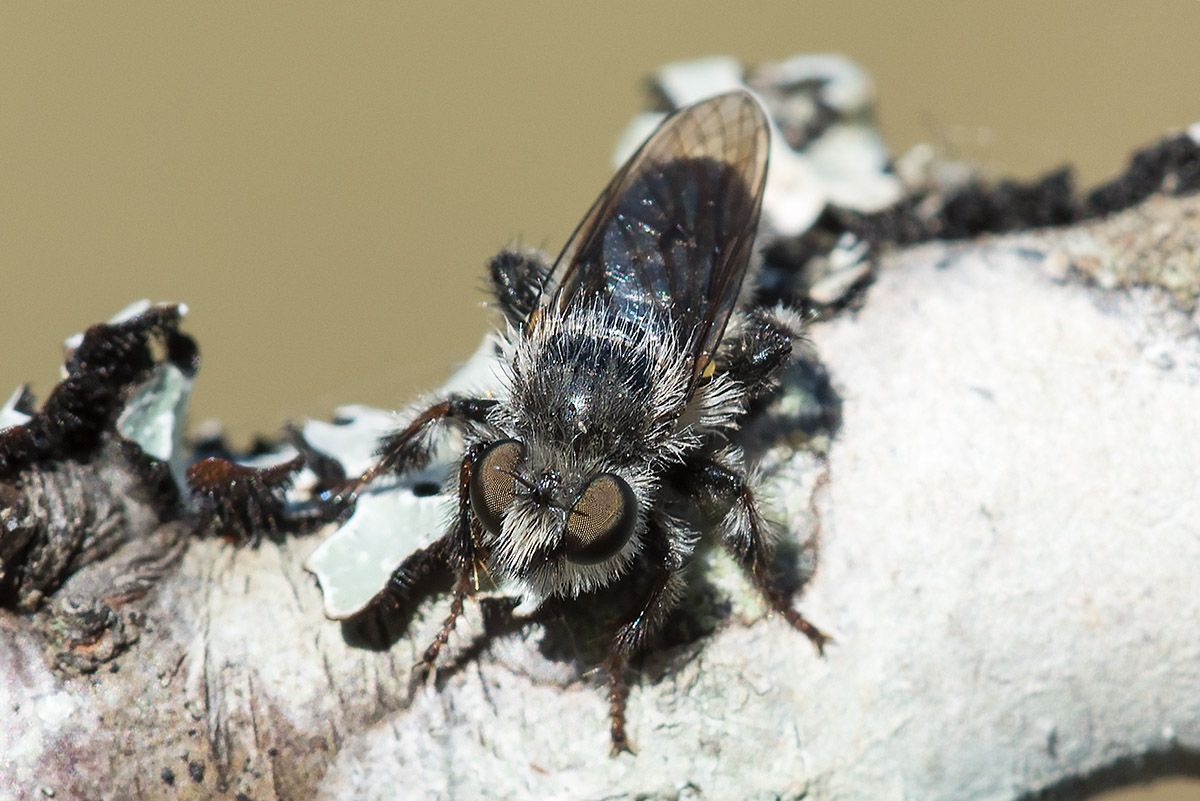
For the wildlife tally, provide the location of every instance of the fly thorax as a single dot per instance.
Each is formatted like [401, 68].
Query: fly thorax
[598, 387]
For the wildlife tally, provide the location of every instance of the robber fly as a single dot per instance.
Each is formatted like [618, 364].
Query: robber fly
[626, 364]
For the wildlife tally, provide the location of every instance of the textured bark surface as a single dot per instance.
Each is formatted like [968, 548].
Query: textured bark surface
[1009, 556]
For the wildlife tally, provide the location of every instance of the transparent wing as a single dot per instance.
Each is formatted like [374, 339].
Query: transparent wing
[671, 234]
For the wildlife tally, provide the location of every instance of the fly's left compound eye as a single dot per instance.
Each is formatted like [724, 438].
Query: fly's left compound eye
[493, 482]
[601, 521]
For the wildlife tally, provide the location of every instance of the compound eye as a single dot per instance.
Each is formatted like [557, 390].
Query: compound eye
[493, 483]
[601, 521]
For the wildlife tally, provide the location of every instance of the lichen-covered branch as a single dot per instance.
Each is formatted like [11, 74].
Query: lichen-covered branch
[1006, 549]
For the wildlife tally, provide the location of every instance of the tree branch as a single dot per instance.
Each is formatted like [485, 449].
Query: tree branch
[1008, 561]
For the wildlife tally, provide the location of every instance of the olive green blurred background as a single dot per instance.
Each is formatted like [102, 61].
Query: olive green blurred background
[322, 184]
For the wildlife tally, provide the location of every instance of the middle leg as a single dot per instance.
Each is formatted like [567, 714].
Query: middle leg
[722, 494]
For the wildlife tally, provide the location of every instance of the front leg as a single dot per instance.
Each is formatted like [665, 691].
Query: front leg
[642, 620]
[410, 448]
[722, 494]
[460, 551]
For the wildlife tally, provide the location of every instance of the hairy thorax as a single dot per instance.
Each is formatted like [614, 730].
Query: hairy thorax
[592, 391]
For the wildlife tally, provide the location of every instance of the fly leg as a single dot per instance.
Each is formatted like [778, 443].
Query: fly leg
[411, 447]
[618, 699]
[722, 494]
[643, 620]
[461, 553]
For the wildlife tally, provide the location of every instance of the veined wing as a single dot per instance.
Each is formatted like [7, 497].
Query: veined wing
[671, 234]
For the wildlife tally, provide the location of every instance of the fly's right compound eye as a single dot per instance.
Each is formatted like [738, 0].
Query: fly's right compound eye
[493, 483]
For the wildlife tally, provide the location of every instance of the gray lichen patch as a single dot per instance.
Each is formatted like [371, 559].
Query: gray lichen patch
[1154, 244]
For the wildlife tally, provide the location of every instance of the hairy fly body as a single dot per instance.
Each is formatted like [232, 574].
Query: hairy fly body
[627, 364]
